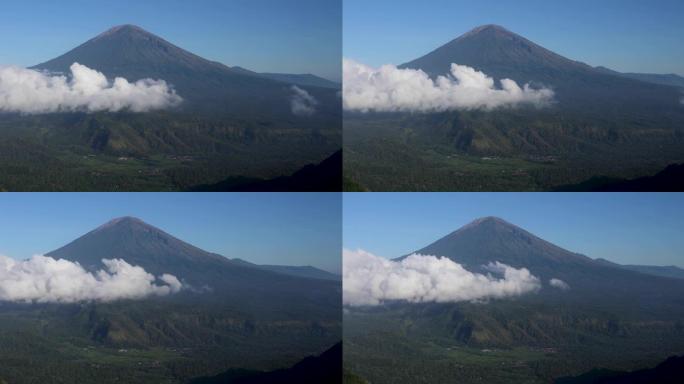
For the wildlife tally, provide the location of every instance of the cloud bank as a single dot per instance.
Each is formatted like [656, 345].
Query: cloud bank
[29, 91]
[390, 89]
[42, 279]
[560, 284]
[302, 103]
[371, 280]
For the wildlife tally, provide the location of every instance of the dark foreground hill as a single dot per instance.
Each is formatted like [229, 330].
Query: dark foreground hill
[222, 319]
[623, 319]
[323, 369]
[670, 371]
[323, 177]
[670, 179]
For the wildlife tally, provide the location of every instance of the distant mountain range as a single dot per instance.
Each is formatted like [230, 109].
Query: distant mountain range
[655, 270]
[299, 79]
[298, 271]
[624, 317]
[666, 79]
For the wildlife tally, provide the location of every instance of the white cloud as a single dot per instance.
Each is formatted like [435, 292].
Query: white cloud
[560, 284]
[31, 92]
[43, 279]
[302, 103]
[390, 89]
[371, 280]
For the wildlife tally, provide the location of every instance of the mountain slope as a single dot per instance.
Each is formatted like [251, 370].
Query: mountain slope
[499, 52]
[157, 252]
[503, 54]
[138, 243]
[131, 52]
[124, 50]
[655, 270]
[492, 239]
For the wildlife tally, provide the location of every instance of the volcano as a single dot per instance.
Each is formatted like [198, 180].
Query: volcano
[491, 239]
[133, 53]
[501, 54]
[158, 252]
[138, 243]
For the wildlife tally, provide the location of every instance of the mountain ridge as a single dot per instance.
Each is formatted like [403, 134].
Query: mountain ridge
[500, 54]
[491, 239]
[497, 226]
[127, 34]
[134, 53]
[208, 276]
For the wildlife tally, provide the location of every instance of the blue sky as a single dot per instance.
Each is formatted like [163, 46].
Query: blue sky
[264, 228]
[294, 36]
[628, 228]
[625, 35]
